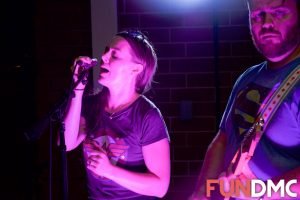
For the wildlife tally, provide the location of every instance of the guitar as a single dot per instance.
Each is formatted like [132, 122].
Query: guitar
[247, 147]
[239, 164]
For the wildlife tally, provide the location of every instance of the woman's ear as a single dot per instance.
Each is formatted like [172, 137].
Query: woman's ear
[137, 68]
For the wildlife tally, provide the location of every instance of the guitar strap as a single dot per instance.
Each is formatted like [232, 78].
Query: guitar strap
[265, 113]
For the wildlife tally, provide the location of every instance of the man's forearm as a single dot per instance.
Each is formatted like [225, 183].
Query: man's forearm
[212, 165]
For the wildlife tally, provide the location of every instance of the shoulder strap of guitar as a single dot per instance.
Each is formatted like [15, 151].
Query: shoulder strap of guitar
[265, 113]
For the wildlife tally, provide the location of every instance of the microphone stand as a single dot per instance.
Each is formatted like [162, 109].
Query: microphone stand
[56, 114]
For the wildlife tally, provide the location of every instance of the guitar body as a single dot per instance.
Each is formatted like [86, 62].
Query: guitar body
[239, 165]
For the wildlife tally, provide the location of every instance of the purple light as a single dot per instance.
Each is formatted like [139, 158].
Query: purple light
[184, 3]
[173, 5]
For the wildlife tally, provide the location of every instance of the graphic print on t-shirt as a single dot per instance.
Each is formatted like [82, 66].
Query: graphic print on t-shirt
[115, 147]
[247, 105]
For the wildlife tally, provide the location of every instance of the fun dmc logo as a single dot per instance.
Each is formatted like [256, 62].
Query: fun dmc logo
[250, 188]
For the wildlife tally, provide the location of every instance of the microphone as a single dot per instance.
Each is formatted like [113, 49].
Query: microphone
[87, 66]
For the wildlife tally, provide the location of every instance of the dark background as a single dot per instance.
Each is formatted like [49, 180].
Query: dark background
[42, 38]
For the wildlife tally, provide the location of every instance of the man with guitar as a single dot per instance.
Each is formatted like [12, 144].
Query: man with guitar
[259, 135]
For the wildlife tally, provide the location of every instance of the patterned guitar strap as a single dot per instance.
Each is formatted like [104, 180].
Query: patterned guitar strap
[239, 163]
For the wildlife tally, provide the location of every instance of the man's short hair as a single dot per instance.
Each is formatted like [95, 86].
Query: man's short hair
[297, 2]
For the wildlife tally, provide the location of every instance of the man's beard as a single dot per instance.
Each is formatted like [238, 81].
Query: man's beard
[273, 50]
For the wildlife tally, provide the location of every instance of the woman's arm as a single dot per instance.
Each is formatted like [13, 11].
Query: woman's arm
[74, 124]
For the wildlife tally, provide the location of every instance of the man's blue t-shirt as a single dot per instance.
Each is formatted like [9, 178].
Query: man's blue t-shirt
[279, 148]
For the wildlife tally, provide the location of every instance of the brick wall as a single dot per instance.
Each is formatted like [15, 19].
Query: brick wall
[186, 90]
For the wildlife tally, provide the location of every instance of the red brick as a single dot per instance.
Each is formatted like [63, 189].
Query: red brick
[120, 6]
[161, 20]
[224, 93]
[244, 49]
[128, 21]
[232, 5]
[163, 66]
[179, 168]
[170, 80]
[201, 139]
[239, 17]
[237, 64]
[191, 34]
[223, 18]
[160, 95]
[170, 50]
[187, 153]
[234, 33]
[207, 49]
[193, 94]
[194, 168]
[178, 139]
[158, 35]
[192, 65]
[225, 79]
[199, 18]
[201, 80]
[207, 124]
[204, 109]
[155, 6]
